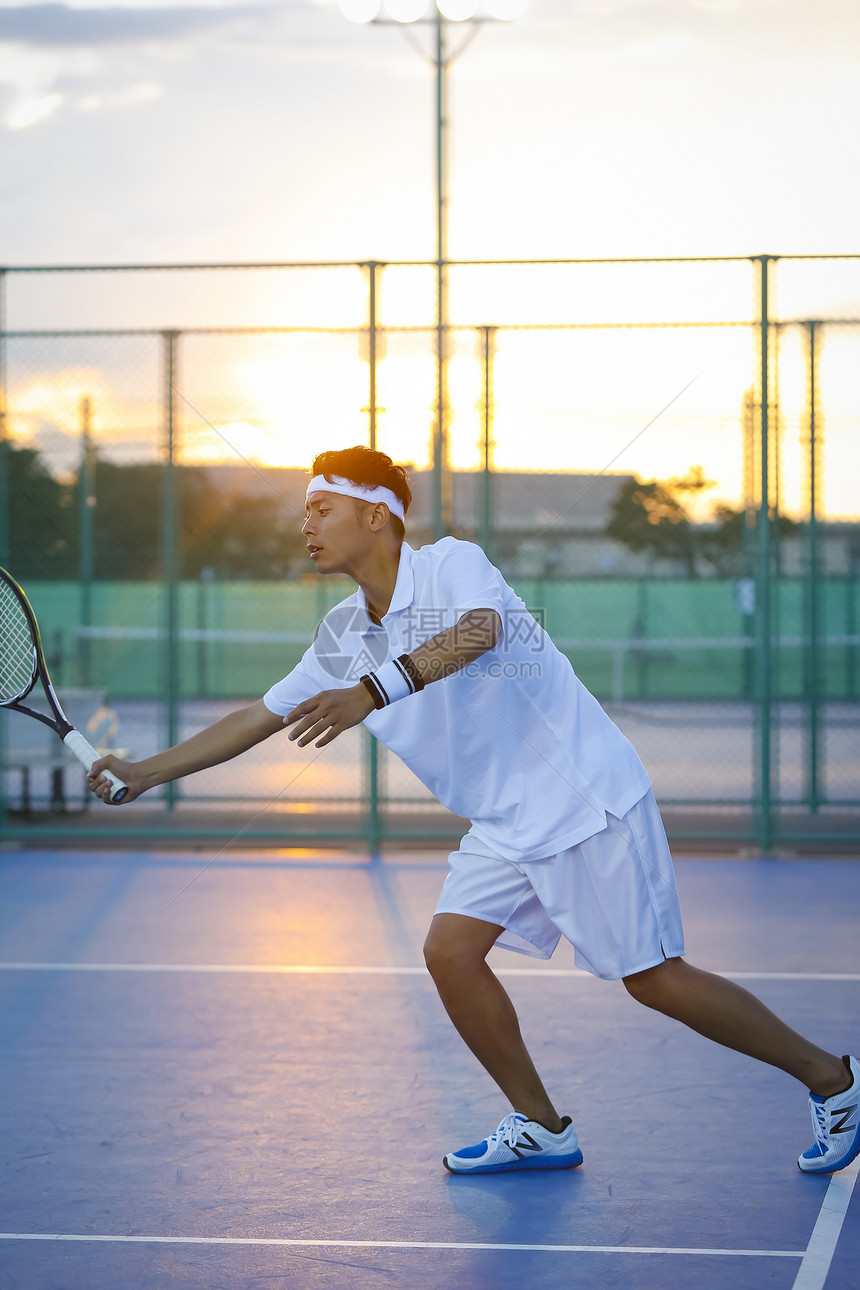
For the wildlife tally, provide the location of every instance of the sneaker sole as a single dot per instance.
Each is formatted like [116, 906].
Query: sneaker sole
[825, 1168]
[573, 1161]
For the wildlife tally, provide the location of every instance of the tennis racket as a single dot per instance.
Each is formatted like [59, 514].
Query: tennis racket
[22, 664]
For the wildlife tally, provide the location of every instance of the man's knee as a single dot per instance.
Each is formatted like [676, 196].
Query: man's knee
[653, 986]
[444, 955]
[435, 952]
[456, 945]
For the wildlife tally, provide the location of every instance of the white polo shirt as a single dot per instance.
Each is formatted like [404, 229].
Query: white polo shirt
[514, 741]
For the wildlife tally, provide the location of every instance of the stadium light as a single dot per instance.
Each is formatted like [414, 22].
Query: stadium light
[360, 10]
[440, 14]
[457, 10]
[406, 10]
[507, 10]
[417, 10]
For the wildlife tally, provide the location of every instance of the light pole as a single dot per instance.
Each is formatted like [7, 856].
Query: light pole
[444, 14]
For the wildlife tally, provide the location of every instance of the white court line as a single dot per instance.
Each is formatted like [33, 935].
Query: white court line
[294, 969]
[309, 969]
[396, 1245]
[825, 1235]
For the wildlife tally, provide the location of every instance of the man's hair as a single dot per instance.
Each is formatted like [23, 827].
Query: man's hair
[367, 466]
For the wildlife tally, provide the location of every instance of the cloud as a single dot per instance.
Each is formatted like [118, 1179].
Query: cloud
[56, 58]
[598, 127]
[55, 26]
[31, 111]
[745, 28]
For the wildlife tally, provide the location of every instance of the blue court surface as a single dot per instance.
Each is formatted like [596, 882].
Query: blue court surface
[240, 1076]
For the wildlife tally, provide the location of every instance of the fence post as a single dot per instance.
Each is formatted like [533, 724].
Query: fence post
[4, 432]
[851, 624]
[487, 525]
[763, 596]
[4, 513]
[170, 554]
[441, 482]
[372, 824]
[86, 504]
[372, 745]
[372, 266]
[813, 589]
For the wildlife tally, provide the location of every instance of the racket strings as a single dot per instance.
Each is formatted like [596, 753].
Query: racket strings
[17, 650]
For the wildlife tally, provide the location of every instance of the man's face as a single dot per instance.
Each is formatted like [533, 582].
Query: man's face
[336, 537]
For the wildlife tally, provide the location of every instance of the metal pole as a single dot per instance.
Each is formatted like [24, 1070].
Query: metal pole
[373, 827]
[86, 505]
[441, 508]
[204, 579]
[371, 349]
[813, 602]
[372, 744]
[170, 556]
[763, 605]
[747, 605]
[487, 533]
[4, 516]
[4, 432]
[851, 628]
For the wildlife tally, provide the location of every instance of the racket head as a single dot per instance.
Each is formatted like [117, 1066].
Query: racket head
[20, 644]
[22, 661]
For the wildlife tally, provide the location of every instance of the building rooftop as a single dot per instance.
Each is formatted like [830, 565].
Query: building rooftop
[564, 502]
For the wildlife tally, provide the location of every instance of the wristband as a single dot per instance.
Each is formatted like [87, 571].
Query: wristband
[393, 681]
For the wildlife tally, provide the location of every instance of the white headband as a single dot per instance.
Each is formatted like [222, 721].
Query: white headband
[364, 492]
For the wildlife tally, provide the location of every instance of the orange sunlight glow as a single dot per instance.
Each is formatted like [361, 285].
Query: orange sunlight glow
[593, 390]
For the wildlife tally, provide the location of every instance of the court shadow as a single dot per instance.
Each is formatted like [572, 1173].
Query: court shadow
[535, 1207]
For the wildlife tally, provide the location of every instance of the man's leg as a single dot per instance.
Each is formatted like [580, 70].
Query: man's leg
[723, 1011]
[455, 951]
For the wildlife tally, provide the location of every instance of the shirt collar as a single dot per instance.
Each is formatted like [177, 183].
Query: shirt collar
[404, 587]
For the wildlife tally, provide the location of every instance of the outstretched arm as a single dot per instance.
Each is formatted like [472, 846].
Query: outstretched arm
[227, 738]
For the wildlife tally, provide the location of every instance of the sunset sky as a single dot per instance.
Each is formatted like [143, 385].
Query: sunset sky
[206, 131]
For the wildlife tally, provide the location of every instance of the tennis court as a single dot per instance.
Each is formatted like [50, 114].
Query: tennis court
[238, 1074]
[503, 246]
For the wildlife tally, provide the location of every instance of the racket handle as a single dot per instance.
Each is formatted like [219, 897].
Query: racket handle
[87, 755]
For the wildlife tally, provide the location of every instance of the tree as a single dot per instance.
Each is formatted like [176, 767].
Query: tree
[238, 536]
[42, 522]
[651, 516]
[234, 534]
[126, 520]
[729, 545]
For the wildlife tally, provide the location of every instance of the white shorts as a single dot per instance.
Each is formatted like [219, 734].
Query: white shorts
[613, 896]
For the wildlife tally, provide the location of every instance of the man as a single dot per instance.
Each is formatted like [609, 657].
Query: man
[440, 659]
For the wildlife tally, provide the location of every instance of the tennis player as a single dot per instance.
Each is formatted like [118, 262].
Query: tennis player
[440, 659]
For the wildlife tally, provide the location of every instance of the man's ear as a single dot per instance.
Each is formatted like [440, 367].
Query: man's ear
[379, 516]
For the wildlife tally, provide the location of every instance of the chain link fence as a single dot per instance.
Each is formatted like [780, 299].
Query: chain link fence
[659, 456]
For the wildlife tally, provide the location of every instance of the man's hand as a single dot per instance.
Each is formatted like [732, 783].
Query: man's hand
[331, 710]
[127, 771]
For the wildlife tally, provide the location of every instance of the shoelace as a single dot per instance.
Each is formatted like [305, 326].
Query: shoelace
[507, 1132]
[819, 1123]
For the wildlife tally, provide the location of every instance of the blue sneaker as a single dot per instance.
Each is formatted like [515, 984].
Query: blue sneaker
[836, 1122]
[518, 1143]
